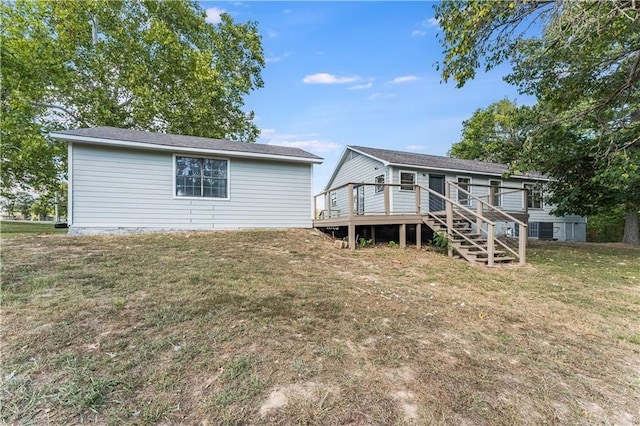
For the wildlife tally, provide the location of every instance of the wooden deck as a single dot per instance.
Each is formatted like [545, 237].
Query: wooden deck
[482, 220]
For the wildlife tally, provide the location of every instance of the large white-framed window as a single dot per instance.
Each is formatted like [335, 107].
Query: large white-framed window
[407, 180]
[534, 195]
[201, 177]
[495, 197]
[463, 183]
[334, 199]
[379, 180]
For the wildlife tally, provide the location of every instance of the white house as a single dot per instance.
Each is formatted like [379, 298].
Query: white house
[373, 187]
[123, 180]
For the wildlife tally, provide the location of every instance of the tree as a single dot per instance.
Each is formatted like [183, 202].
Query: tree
[18, 202]
[582, 62]
[145, 65]
[495, 134]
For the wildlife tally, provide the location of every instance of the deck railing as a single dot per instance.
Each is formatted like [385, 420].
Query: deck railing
[483, 217]
[498, 215]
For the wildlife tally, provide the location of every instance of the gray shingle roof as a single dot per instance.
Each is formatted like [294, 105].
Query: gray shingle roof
[437, 162]
[187, 142]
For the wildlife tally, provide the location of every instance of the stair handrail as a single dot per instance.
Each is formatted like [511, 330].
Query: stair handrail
[479, 219]
[455, 204]
[522, 237]
[487, 204]
[443, 222]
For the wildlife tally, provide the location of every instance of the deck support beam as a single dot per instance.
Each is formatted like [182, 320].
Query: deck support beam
[418, 236]
[352, 236]
[403, 235]
[373, 235]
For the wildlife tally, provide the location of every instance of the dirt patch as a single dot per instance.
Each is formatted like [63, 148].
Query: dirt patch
[279, 396]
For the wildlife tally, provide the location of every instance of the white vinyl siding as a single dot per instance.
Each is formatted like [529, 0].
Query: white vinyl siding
[107, 195]
[358, 168]
[404, 197]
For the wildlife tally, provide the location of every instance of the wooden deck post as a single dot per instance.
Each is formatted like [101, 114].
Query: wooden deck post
[449, 218]
[352, 236]
[373, 235]
[418, 236]
[417, 189]
[479, 210]
[403, 235]
[387, 210]
[491, 234]
[327, 203]
[350, 201]
[522, 243]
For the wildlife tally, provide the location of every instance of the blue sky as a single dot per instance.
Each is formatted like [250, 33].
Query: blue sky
[357, 73]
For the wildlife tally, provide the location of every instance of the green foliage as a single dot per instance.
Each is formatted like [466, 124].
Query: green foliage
[581, 60]
[145, 65]
[392, 244]
[440, 241]
[365, 243]
[607, 227]
[495, 134]
[20, 202]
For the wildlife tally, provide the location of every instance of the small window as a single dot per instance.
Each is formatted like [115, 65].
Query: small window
[534, 195]
[463, 197]
[334, 199]
[379, 180]
[407, 181]
[495, 193]
[201, 177]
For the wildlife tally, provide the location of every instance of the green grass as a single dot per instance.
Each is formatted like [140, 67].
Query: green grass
[11, 228]
[280, 327]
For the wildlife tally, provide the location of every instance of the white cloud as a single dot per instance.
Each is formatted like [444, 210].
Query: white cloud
[418, 33]
[361, 86]
[379, 95]
[286, 11]
[213, 15]
[306, 141]
[431, 22]
[404, 79]
[415, 148]
[272, 59]
[325, 78]
[272, 33]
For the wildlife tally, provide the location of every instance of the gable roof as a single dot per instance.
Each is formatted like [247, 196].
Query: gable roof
[192, 144]
[401, 158]
[435, 162]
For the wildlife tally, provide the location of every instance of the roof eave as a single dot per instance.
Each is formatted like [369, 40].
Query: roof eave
[172, 148]
[415, 166]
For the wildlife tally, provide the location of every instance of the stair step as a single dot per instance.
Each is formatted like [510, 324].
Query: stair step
[505, 259]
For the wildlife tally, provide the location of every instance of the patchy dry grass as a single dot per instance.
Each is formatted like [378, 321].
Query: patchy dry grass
[269, 327]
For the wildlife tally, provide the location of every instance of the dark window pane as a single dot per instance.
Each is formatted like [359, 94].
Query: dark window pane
[408, 179]
[215, 168]
[187, 166]
[216, 188]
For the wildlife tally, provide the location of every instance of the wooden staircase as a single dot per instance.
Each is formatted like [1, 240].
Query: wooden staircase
[466, 240]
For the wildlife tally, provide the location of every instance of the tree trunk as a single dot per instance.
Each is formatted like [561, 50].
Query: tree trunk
[632, 227]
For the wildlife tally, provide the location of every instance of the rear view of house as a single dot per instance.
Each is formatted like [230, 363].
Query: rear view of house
[124, 180]
[373, 187]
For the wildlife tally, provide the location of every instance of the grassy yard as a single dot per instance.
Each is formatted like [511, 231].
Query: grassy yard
[269, 327]
[11, 228]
